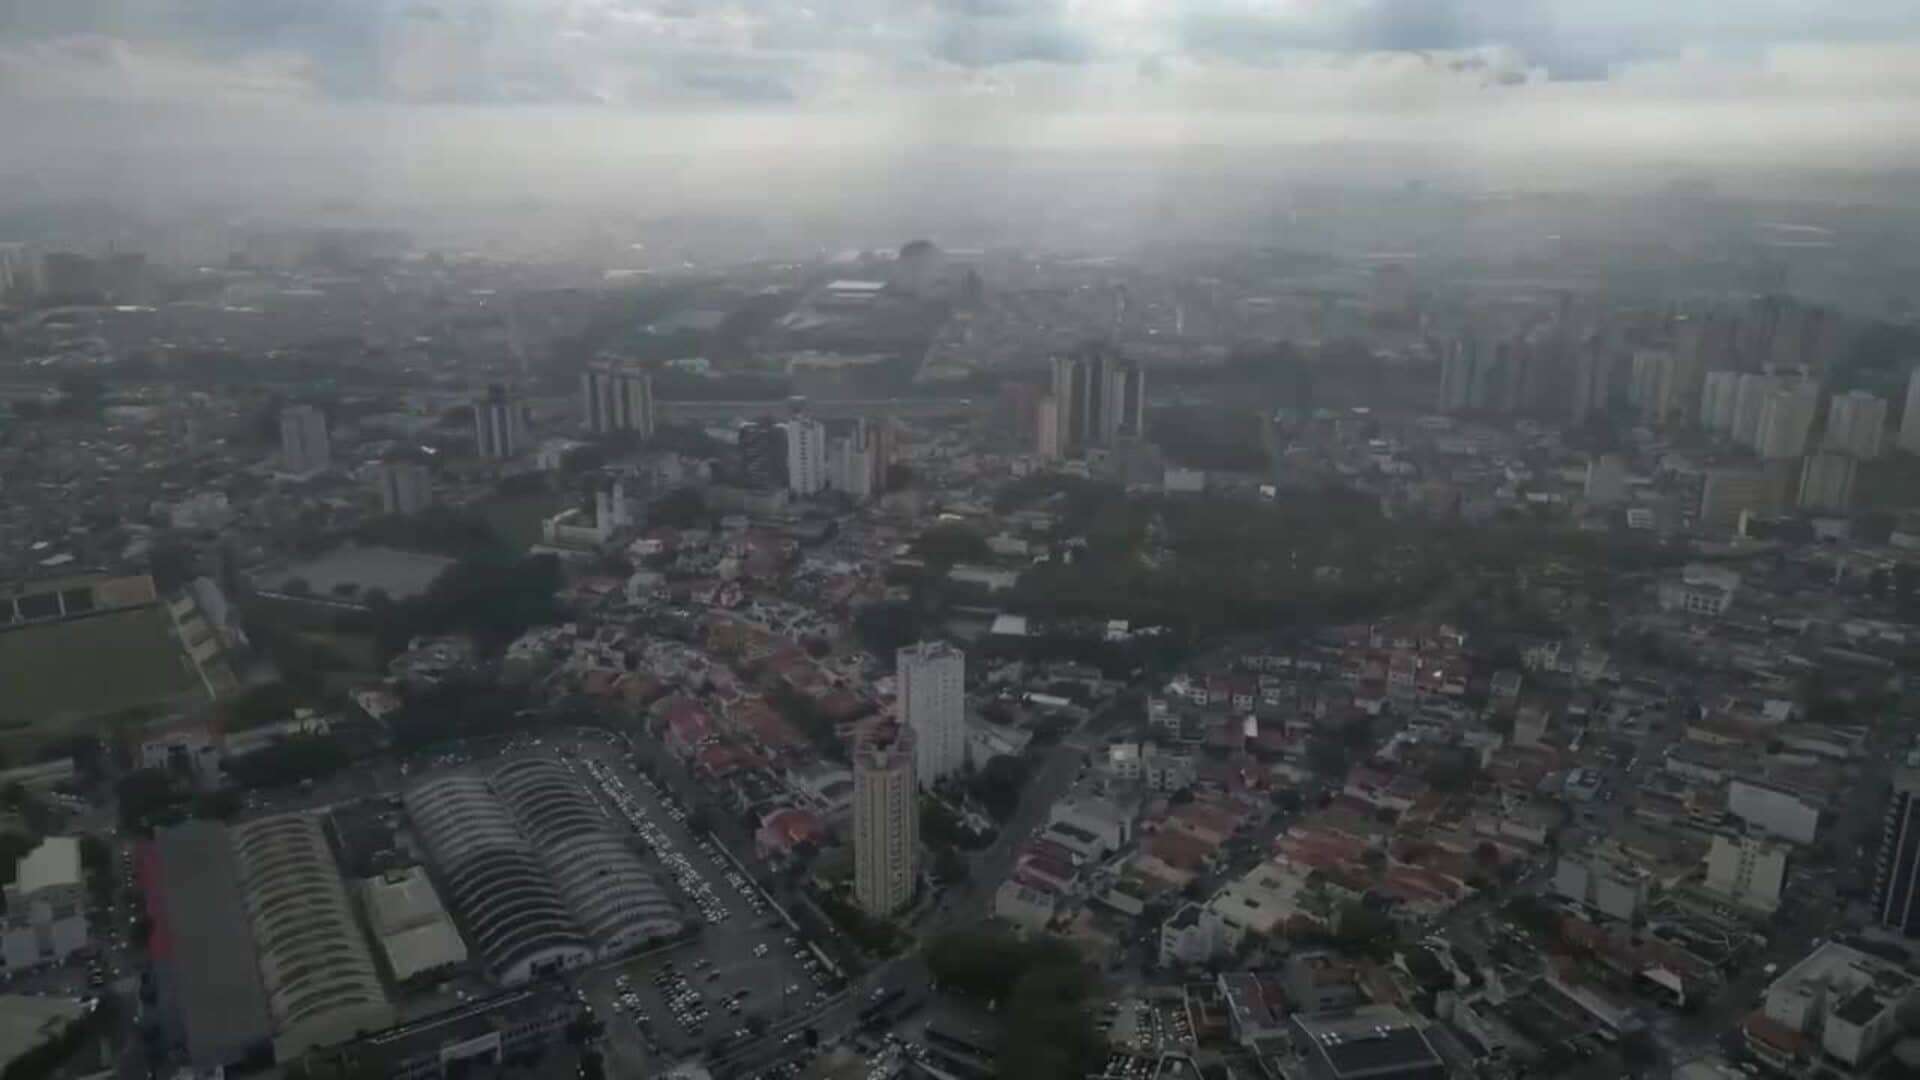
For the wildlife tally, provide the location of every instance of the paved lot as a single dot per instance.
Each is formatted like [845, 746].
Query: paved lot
[675, 1004]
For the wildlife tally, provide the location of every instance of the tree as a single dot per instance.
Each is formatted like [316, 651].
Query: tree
[944, 545]
[997, 786]
[1327, 756]
[887, 627]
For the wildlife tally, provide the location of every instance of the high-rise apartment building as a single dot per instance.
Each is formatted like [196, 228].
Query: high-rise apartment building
[1750, 400]
[1896, 870]
[806, 455]
[1046, 439]
[1593, 366]
[1856, 424]
[849, 470]
[304, 447]
[405, 486]
[1098, 397]
[882, 439]
[763, 455]
[933, 705]
[496, 425]
[1786, 422]
[1719, 401]
[1910, 416]
[886, 820]
[1826, 482]
[1665, 386]
[617, 396]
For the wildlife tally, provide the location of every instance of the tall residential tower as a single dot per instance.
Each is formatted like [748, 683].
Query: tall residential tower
[886, 820]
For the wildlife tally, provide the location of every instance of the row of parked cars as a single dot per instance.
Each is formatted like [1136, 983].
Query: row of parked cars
[689, 879]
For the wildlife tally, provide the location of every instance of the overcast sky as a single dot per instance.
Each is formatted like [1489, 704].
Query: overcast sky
[481, 87]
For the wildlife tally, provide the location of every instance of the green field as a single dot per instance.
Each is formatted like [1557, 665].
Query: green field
[55, 675]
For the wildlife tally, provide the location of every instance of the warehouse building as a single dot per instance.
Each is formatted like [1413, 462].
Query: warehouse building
[415, 933]
[211, 1000]
[619, 903]
[509, 909]
[318, 974]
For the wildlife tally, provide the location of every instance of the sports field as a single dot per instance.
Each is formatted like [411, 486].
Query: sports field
[62, 672]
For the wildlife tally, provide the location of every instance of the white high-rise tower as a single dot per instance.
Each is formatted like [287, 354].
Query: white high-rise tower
[933, 705]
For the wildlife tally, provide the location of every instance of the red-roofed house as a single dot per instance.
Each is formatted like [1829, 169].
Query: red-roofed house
[1044, 872]
[684, 725]
[788, 828]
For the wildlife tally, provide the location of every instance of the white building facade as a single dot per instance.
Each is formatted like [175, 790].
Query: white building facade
[932, 704]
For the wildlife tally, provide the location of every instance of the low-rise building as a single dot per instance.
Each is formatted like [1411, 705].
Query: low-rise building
[1192, 935]
[1747, 870]
[1774, 810]
[1373, 1042]
[1027, 909]
[412, 926]
[1603, 882]
[1839, 1001]
[46, 917]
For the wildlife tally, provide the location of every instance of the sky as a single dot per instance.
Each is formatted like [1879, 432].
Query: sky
[430, 95]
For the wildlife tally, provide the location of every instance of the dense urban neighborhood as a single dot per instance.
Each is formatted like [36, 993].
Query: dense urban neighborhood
[954, 664]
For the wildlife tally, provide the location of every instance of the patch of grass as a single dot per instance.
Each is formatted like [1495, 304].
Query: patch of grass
[62, 673]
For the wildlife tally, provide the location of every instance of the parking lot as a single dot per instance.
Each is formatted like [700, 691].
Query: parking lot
[1142, 1027]
[747, 969]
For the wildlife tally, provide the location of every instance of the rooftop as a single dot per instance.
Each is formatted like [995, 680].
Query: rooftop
[54, 863]
[1373, 1040]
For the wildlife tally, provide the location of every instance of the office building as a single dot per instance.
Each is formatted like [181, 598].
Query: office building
[1098, 397]
[933, 705]
[1826, 483]
[886, 820]
[405, 487]
[1910, 416]
[1786, 422]
[1719, 401]
[1896, 869]
[496, 425]
[617, 396]
[304, 448]
[1856, 424]
[806, 456]
[46, 916]
[1747, 870]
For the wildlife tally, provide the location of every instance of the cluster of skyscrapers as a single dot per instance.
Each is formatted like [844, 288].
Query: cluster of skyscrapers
[617, 396]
